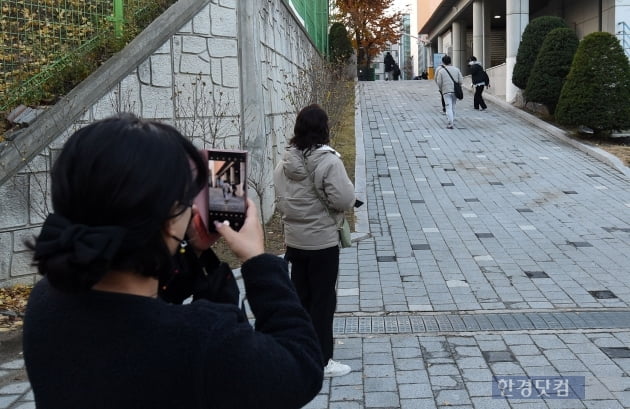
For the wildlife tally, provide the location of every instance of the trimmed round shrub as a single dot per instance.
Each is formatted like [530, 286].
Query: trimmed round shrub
[532, 39]
[596, 92]
[340, 46]
[551, 67]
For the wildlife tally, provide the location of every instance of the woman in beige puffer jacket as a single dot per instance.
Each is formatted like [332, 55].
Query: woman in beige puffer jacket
[312, 192]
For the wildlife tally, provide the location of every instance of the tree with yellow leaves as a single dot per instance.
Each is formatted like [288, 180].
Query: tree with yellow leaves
[371, 29]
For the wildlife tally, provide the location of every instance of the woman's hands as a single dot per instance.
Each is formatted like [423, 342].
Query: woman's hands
[248, 242]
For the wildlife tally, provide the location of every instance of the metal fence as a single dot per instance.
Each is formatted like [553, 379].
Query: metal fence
[39, 37]
[315, 18]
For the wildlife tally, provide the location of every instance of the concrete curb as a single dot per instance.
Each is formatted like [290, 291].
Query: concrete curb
[362, 224]
[561, 134]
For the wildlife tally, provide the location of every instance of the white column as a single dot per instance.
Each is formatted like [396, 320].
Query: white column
[481, 32]
[478, 34]
[459, 44]
[415, 49]
[440, 44]
[487, 32]
[516, 18]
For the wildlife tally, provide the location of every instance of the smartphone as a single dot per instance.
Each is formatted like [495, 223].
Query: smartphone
[225, 195]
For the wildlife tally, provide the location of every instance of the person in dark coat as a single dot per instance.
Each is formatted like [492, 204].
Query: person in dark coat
[96, 332]
[396, 72]
[389, 66]
[479, 80]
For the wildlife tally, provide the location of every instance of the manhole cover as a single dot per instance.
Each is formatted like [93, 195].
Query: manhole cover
[580, 243]
[536, 274]
[603, 294]
[616, 352]
[385, 258]
[420, 247]
[498, 356]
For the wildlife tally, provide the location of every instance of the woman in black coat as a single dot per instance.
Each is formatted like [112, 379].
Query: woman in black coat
[480, 80]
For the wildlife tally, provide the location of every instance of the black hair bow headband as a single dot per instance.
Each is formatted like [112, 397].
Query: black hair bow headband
[84, 244]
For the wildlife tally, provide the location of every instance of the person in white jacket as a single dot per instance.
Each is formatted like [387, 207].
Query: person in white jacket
[447, 87]
[313, 191]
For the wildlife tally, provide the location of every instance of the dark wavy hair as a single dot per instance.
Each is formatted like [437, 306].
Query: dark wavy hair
[127, 173]
[311, 128]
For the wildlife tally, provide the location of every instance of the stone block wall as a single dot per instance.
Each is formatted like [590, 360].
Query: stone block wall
[222, 79]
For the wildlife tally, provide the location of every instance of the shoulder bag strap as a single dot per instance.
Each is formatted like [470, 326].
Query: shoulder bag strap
[449, 74]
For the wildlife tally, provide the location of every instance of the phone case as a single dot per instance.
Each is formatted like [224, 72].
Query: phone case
[225, 195]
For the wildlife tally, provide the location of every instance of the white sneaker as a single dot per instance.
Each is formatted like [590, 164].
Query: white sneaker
[335, 368]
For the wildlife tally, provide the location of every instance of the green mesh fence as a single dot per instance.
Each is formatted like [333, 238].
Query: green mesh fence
[315, 16]
[38, 38]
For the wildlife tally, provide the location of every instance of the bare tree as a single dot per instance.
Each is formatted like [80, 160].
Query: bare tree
[323, 84]
[260, 178]
[208, 113]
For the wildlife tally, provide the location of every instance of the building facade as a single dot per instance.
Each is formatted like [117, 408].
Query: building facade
[491, 30]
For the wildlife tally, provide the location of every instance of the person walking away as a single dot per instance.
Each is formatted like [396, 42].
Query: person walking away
[225, 186]
[480, 80]
[313, 191]
[396, 72]
[96, 332]
[389, 66]
[446, 85]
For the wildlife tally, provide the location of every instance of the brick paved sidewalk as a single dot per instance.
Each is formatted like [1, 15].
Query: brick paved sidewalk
[494, 249]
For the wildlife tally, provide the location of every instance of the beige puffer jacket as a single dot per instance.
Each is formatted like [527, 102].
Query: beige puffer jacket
[307, 224]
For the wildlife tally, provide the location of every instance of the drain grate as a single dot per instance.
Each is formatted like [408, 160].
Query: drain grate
[430, 322]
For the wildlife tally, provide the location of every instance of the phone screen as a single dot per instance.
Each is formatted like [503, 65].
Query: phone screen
[226, 194]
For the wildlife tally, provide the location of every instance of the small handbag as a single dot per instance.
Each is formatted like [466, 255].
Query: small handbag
[345, 237]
